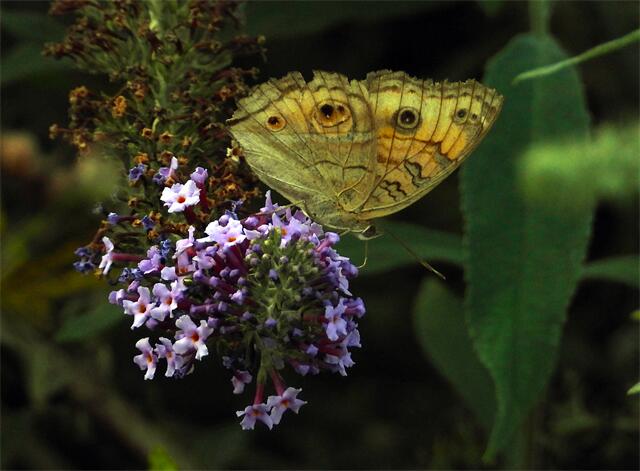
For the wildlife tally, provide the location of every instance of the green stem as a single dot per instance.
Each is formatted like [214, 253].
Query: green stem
[597, 51]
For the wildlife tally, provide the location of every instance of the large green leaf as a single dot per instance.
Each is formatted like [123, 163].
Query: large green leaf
[386, 253]
[523, 256]
[441, 330]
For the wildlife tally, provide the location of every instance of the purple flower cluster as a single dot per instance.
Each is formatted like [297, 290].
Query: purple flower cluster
[265, 293]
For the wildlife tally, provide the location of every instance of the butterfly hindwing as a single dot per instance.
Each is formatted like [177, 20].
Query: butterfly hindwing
[453, 118]
[271, 129]
[340, 114]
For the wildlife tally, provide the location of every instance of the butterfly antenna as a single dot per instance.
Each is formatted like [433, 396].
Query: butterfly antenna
[412, 253]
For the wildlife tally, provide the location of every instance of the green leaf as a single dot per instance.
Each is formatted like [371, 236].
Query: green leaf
[523, 256]
[80, 327]
[635, 389]
[385, 253]
[623, 269]
[442, 333]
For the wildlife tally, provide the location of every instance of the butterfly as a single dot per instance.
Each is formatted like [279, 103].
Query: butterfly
[350, 151]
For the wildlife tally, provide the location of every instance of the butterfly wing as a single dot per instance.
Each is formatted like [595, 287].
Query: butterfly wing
[425, 130]
[312, 142]
[271, 129]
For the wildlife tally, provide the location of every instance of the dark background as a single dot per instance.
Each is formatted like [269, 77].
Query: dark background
[70, 404]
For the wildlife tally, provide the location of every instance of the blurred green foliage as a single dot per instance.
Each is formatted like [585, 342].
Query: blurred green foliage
[442, 331]
[546, 330]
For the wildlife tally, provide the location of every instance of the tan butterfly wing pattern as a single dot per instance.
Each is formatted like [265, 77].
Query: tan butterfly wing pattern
[313, 142]
[425, 130]
[348, 152]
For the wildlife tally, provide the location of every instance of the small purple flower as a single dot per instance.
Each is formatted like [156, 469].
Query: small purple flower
[352, 340]
[165, 248]
[107, 259]
[182, 254]
[164, 349]
[147, 360]
[83, 266]
[253, 413]
[113, 219]
[226, 235]
[238, 296]
[169, 274]
[159, 179]
[153, 262]
[269, 206]
[292, 229]
[340, 363]
[165, 172]
[180, 196]
[147, 223]
[336, 325]
[116, 297]
[136, 172]
[204, 258]
[288, 400]
[199, 176]
[129, 274]
[140, 309]
[166, 300]
[82, 252]
[355, 307]
[239, 379]
[191, 337]
[183, 244]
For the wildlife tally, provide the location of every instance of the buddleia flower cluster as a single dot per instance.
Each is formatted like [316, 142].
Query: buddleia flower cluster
[267, 293]
[193, 264]
[175, 71]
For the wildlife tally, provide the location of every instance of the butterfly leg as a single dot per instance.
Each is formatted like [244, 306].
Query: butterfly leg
[366, 256]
